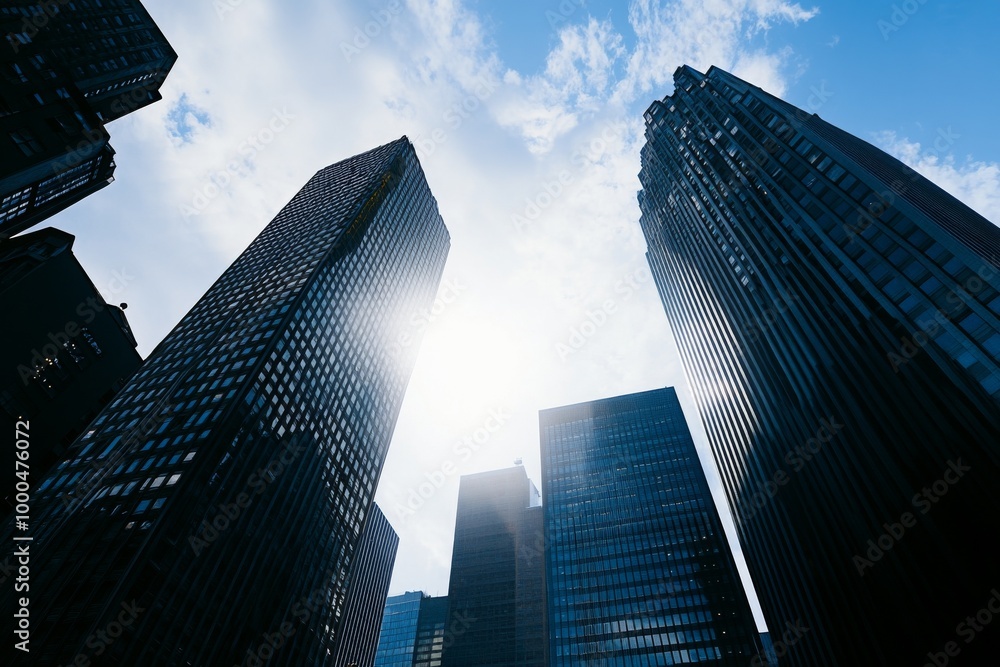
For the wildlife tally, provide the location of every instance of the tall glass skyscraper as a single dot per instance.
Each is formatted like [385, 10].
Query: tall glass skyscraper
[415, 631]
[838, 317]
[496, 593]
[432, 629]
[215, 506]
[397, 640]
[367, 588]
[637, 567]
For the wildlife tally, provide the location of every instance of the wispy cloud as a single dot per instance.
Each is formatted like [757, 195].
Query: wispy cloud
[702, 34]
[974, 182]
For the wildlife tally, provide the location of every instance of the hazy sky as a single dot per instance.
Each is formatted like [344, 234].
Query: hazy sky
[527, 117]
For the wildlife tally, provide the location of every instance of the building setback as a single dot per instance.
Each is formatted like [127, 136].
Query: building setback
[67, 68]
[838, 316]
[637, 565]
[217, 503]
[496, 592]
[69, 353]
[361, 621]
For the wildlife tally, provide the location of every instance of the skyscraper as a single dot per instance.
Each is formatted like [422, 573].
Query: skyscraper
[67, 69]
[838, 316]
[415, 631]
[216, 505]
[496, 592]
[637, 566]
[432, 629]
[68, 353]
[398, 638]
[367, 588]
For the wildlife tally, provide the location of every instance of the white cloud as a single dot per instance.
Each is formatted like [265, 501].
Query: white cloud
[492, 141]
[575, 82]
[975, 183]
[700, 34]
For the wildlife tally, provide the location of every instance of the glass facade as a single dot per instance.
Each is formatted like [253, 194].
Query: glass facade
[398, 638]
[357, 640]
[431, 628]
[496, 596]
[224, 491]
[66, 69]
[838, 317]
[637, 566]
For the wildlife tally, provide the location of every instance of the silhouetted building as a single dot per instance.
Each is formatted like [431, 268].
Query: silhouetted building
[65, 352]
[67, 68]
[838, 316]
[638, 568]
[432, 627]
[221, 496]
[496, 592]
[361, 621]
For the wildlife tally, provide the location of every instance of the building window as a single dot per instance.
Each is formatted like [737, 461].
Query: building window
[25, 141]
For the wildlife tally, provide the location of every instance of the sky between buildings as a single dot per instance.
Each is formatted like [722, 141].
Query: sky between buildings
[527, 117]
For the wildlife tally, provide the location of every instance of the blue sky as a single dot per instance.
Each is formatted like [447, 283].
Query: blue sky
[527, 117]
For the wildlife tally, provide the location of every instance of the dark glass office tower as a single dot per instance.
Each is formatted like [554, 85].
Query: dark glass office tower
[838, 317]
[66, 69]
[216, 505]
[398, 638]
[361, 621]
[66, 352]
[637, 565]
[415, 631]
[496, 592]
[432, 627]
